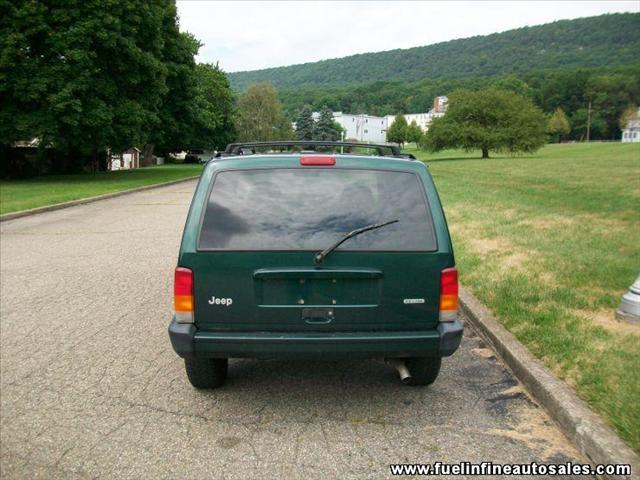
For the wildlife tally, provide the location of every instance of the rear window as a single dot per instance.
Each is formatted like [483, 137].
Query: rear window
[309, 209]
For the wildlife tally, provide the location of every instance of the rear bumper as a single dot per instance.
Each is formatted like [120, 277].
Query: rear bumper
[191, 343]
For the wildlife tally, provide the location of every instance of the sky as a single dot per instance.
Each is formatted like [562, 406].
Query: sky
[254, 35]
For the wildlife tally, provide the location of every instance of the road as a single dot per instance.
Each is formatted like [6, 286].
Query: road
[91, 388]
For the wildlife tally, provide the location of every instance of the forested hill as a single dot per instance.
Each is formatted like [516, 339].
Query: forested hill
[606, 40]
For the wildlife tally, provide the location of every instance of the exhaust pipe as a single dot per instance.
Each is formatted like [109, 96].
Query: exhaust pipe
[400, 365]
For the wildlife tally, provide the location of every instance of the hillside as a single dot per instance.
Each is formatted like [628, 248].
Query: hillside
[610, 90]
[606, 40]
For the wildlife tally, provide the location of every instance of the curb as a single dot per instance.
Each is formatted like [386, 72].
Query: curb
[82, 201]
[586, 430]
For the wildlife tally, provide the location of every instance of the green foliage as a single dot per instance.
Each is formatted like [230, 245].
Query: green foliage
[606, 40]
[260, 116]
[85, 75]
[305, 124]
[88, 76]
[566, 88]
[176, 113]
[489, 120]
[610, 94]
[579, 121]
[414, 133]
[397, 132]
[513, 84]
[558, 124]
[214, 109]
[326, 127]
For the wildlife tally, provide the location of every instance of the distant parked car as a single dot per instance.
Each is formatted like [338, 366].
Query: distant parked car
[308, 255]
[199, 156]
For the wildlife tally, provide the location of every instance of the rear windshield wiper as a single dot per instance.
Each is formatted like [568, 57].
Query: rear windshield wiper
[320, 256]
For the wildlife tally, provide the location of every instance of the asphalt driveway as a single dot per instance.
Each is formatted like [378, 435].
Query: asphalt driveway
[91, 388]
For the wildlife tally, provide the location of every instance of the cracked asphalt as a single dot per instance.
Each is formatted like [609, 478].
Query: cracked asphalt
[90, 386]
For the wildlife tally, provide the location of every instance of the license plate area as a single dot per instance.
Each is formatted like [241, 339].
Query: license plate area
[312, 287]
[318, 292]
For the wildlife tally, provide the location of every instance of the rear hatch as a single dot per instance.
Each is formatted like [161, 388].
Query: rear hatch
[255, 270]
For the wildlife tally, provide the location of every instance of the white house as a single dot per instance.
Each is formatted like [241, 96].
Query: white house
[362, 127]
[424, 119]
[631, 134]
[372, 129]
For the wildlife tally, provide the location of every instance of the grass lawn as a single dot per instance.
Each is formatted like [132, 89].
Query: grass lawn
[550, 242]
[40, 191]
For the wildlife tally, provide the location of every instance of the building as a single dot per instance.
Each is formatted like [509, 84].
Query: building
[440, 104]
[631, 134]
[423, 119]
[362, 127]
[372, 129]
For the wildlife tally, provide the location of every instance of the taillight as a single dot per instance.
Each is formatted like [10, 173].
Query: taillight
[318, 160]
[448, 295]
[183, 295]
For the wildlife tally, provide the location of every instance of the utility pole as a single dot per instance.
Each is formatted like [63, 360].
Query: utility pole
[589, 122]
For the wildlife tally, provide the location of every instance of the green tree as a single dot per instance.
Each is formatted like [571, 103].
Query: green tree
[558, 124]
[397, 132]
[610, 94]
[414, 133]
[513, 84]
[579, 121]
[326, 127]
[214, 110]
[260, 116]
[83, 76]
[305, 124]
[285, 129]
[489, 120]
[177, 115]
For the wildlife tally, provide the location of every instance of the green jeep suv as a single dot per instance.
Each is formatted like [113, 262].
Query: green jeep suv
[321, 253]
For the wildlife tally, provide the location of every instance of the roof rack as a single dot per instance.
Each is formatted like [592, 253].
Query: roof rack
[384, 150]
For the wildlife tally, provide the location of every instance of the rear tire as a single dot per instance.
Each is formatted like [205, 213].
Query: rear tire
[424, 370]
[206, 372]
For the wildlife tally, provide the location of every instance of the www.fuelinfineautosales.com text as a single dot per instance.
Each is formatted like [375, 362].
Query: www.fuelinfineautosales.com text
[489, 468]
